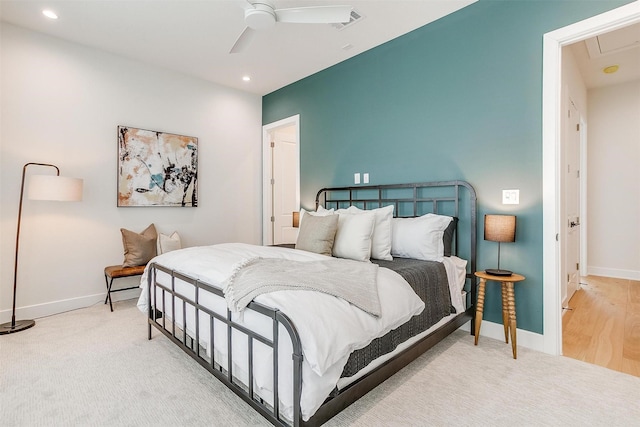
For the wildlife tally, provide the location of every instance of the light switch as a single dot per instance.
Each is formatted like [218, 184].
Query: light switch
[365, 178]
[510, 197]
[356, 178]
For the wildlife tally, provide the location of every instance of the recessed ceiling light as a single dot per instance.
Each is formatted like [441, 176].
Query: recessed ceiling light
[610, 69]
[246, 78]
[50, 14]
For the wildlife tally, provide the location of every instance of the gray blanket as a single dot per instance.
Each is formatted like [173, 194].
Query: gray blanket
[353, 281]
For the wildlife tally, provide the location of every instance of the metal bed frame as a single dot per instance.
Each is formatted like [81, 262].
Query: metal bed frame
[447, 193]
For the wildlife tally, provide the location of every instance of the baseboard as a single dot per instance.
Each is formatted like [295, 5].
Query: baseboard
[526, 339]
[613, 272]
[57, 307]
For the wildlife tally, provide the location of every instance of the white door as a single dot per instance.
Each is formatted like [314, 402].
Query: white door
[281, 180]
[572, 203]
[284, 183]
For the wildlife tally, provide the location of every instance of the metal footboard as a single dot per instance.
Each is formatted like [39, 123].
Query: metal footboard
[157, 317]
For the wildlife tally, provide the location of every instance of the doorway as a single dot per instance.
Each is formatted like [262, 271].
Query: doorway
[553, 220]
[281, 180]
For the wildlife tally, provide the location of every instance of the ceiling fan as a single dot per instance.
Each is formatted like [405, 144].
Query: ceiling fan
[262, 14]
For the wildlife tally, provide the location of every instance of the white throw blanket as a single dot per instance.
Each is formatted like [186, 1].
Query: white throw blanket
[352, 281]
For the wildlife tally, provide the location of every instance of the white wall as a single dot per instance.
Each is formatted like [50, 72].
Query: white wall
[61, 104]
[613, 179]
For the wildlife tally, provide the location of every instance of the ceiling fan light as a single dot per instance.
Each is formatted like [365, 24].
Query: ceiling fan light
[260, 18]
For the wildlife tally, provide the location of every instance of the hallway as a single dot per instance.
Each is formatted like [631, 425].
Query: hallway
[602, 326]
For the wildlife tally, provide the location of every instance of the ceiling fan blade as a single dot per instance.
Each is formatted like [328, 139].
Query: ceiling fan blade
[242, 41]
[314, 14]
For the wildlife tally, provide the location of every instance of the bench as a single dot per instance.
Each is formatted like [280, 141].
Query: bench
[116, 272]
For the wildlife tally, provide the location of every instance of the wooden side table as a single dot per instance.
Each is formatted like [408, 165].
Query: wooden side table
[508, 306]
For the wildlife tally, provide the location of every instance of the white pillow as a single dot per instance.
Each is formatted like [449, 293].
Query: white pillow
[381, 237]
[168, 243]
[353, 238]
[419, 238]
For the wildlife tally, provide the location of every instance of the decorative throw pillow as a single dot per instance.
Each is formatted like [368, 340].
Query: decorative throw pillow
[320, 212]
[353, 238]
[419, 238]
[447, 238]
[139, 248]
[317, 234]
[381, 237]
[168, 243]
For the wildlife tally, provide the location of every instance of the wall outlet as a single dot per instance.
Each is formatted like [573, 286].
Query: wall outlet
[365, 178]
[510, 197]
[356, 178]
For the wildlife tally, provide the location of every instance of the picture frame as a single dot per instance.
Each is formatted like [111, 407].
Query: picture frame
[156, 168]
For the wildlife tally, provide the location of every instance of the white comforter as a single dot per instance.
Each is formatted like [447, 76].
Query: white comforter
[329, 328]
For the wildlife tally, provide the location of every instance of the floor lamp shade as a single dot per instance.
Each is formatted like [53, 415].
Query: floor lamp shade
[41, 187]
[54, 187]
[501, 229]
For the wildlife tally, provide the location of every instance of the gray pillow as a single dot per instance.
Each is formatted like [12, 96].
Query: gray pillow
[447, 238]
[317, 234]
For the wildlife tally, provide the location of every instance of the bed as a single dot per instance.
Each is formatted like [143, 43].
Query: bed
[300, 356]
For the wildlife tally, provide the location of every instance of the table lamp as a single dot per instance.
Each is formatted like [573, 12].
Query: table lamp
[501, 229]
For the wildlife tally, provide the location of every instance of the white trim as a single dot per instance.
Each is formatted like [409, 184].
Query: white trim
[551, 132]
[495, 331]
[584, 217]
[56, 307]
[266, 165]
[614, 272]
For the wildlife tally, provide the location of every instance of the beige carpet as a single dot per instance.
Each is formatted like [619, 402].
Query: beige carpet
[91, 367]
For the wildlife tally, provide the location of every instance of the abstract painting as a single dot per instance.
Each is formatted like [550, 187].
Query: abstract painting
[156, 168]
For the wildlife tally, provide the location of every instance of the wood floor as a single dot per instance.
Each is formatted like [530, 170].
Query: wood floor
[603, 325]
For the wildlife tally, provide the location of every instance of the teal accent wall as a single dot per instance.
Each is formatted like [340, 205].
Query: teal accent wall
[460, 98]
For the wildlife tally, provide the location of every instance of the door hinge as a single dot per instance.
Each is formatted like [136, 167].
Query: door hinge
[273, 181]
[273, 219]
[577, 266]
[578, 174]
[567, 278]
[273, 144]
[578, 127]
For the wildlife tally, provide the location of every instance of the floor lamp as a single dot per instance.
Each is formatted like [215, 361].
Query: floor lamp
[41, 187]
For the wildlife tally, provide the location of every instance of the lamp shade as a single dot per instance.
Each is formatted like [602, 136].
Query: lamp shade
[53, 187]
[500, 228]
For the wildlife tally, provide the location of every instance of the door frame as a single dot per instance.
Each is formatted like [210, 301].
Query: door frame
[267, 203]
[584, 217]
[552, 245]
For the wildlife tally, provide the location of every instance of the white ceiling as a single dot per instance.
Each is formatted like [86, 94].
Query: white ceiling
[620, 47]
[194, 36]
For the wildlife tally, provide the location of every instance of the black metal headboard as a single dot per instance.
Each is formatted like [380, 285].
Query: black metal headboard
[453, 198]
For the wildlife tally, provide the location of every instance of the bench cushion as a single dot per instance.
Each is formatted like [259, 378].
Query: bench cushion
[116, 271]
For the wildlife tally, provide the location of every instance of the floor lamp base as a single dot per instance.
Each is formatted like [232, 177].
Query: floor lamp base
[21, 325]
